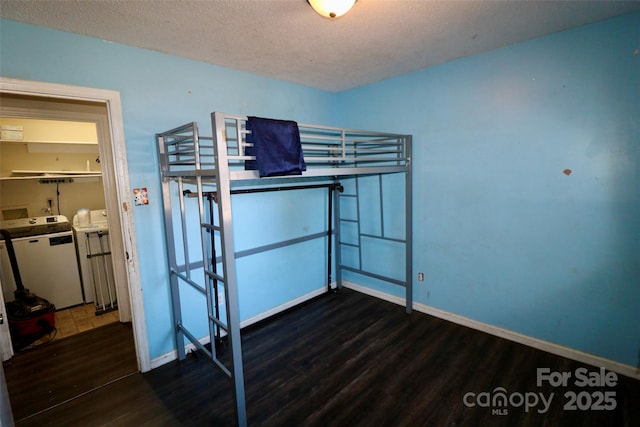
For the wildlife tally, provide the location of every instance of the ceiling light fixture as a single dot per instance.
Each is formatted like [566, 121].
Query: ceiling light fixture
[331, 8]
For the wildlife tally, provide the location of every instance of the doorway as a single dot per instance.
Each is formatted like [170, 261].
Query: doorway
[61, 102]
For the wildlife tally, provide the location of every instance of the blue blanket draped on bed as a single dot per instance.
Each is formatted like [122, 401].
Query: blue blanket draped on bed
[276, 145]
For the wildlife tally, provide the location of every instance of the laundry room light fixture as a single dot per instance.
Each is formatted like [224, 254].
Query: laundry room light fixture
[331, 8]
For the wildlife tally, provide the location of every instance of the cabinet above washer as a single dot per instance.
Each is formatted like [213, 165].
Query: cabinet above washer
[49, 136]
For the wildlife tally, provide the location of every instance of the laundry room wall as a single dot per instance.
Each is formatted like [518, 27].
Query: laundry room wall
[44, 149]
[32, 195]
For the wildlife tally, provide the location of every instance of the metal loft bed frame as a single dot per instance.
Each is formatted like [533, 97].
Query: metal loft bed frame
[211, 169]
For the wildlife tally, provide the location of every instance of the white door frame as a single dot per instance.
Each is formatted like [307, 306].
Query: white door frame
[61, 110]
[115, 177]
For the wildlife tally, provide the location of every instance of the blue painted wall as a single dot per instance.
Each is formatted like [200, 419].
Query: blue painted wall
[501, 233]
[159, 92]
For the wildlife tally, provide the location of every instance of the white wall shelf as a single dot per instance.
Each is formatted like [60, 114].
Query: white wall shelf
[76, 147]
[33, 174]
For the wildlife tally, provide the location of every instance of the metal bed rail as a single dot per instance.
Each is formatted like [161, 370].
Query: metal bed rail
[327, 151]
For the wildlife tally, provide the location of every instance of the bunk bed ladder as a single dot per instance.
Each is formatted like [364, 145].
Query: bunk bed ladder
[228, 262]
[354, 238]
[347, 220]
[182, 145]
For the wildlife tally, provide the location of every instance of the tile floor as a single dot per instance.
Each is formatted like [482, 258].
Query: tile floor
[81, 318]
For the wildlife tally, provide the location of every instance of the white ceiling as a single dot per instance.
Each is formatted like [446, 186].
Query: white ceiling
[286, 39]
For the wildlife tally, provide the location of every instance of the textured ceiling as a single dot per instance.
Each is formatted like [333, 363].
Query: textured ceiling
[286, 39]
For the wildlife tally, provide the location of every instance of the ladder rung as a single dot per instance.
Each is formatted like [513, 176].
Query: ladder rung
[353, 245]
[182, 162]
[219, 323]
[390, 239]
[193, 284]
[348, 220]
[202, 348]
[210, 226]
[176, 139]
[182, 150]
[215, 276]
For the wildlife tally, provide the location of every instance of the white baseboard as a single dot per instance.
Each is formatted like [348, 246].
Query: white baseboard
[570, 353]
[283, 307]
[173, 355]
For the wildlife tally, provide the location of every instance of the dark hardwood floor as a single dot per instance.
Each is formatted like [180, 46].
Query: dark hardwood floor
[348, 359]
[67, 368]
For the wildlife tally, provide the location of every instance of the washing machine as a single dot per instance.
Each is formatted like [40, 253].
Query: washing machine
[46, 255]
[91, 231]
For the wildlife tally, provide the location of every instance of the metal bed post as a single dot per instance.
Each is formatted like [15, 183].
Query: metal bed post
[214, 269]
[332, 214]
[408, 257]
[337, 244]
[223, 186]
[329, 235]
[171, 254]
[357, 220]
